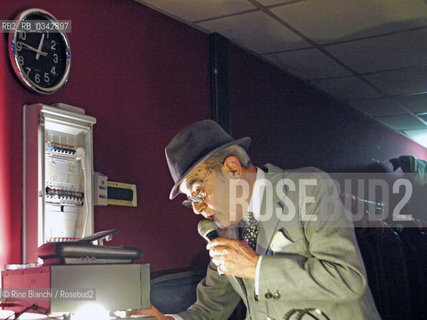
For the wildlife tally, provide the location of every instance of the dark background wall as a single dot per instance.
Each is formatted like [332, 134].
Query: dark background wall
[294, 125]
[144, 76]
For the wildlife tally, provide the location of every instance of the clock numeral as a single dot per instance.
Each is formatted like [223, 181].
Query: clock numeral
[46, 77]
[37, 78]
[39, 51]
[22, 35]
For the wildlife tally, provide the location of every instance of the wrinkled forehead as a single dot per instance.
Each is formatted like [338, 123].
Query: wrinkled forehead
[197, 175]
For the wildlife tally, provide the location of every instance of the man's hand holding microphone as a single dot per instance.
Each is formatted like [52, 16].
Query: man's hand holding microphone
[232, 257]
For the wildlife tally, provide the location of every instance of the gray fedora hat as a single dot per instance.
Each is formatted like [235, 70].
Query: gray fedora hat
[193, 145]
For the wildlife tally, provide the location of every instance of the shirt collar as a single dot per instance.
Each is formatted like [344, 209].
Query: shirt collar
[257, 195]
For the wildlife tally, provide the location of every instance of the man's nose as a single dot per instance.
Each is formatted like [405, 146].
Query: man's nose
[196, 208]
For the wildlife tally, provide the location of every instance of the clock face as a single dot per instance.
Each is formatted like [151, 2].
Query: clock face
[40, 54]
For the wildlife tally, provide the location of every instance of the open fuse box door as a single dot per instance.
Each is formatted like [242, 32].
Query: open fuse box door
[57, 173]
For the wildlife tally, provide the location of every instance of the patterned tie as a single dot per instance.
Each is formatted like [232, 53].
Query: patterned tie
[250, 232]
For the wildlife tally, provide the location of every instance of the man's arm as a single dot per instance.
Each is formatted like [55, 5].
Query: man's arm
[332, 270]
[153, 312]
[216, 298]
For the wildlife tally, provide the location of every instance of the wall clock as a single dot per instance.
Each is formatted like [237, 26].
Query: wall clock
[39, 51]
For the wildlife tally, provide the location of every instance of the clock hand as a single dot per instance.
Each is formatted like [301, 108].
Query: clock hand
[26, 46]
[40, 47]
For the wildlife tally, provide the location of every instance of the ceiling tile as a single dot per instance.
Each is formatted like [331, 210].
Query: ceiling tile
[403, 122]
[379, 107]
[349, 88]
[416, 103]
[401, 82]
[329, 21]
[308, 64]
[195, 10]
[256, 31]
[395, 51]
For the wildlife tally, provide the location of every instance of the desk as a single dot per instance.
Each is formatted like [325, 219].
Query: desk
[112, 286]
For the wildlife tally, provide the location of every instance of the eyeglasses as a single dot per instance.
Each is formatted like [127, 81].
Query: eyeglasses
[197, 198]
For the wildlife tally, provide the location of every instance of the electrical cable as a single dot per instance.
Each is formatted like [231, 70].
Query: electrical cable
[81, 155]
[18, 314]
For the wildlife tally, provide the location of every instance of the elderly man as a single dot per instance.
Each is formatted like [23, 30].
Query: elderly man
[286, 246]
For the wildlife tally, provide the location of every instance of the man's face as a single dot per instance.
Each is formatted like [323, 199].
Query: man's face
[211, 186]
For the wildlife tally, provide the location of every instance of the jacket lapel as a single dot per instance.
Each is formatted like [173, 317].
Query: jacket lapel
[267, 227]
[269, 220]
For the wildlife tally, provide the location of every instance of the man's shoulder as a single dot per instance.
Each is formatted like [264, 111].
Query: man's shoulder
[273, 169]
[274, 173]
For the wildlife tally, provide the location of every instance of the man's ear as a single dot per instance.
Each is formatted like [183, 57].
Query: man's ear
[232, 165]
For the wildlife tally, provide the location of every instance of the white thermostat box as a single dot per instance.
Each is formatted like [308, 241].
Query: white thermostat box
[100, 194]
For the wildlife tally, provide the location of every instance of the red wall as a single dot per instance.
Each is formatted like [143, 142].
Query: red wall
[294, 125]
[143, 76]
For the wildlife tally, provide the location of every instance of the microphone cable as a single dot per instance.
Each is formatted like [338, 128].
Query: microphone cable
[299, 314]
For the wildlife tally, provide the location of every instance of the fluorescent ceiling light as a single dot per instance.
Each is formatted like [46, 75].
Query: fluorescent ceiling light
[419, 136]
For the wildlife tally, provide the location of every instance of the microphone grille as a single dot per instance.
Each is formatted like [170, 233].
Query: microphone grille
[206, 226]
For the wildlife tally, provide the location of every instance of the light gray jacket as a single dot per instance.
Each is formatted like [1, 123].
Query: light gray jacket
[305, 263]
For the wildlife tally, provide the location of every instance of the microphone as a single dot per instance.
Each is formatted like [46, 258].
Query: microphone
[207, 229]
